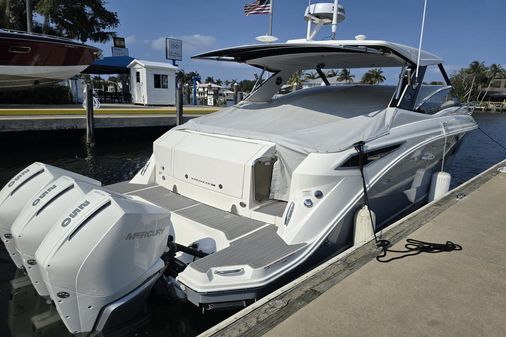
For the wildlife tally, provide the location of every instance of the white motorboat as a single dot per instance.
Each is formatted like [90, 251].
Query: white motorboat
[231, 204]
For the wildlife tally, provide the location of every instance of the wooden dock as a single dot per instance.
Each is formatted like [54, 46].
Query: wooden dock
[36, 118]
[451, 293]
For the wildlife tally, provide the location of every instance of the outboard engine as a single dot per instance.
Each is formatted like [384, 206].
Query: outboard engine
[36, 219]
[23, 187]
[101, 258]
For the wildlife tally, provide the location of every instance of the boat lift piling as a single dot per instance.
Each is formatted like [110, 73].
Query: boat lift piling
[179, 102]
[90, 126]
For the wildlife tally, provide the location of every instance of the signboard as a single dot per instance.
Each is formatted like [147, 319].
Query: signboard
[119, 51]
[210, 100]
[119, 42]
[173, 49]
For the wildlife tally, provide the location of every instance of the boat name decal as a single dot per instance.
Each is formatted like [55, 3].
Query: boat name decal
[203, 181]
[45, 193]
[19, 176]
[143, 235]
[74, 213]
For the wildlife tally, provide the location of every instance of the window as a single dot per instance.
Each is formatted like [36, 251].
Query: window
[440, 99]
[161, 81]
[138, 76]
[354, 161]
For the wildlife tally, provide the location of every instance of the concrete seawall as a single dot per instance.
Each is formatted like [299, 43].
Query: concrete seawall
[38, 118]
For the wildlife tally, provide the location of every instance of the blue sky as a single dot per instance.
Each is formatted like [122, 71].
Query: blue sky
[460, 31]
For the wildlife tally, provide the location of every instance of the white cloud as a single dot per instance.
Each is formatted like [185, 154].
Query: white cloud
[191, 43]
[130, 39]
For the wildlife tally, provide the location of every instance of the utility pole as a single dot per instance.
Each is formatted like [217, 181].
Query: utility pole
[29, 16]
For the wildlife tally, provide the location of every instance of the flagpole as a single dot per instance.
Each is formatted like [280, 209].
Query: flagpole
[270, 18]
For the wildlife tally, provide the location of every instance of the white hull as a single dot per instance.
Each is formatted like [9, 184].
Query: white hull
[22, 76]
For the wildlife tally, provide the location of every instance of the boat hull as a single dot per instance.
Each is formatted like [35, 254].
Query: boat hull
[30, 59]
[12, 77]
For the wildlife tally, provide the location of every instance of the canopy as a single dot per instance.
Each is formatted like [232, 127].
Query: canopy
[330, 54]
[322, 119]
[110, 65]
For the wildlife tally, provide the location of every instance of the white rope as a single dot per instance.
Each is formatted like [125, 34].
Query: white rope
[444, 147]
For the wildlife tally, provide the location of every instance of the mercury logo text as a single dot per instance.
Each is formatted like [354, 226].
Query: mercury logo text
[143, 235]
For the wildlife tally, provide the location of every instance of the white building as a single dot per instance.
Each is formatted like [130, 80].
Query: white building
[152, 83]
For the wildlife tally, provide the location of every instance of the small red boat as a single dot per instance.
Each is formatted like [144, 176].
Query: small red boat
[28, 59]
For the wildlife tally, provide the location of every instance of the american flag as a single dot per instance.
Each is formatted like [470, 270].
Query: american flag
[258, 7]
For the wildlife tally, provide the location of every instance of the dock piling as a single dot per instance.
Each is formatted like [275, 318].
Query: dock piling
[179, 103]
[90, 127]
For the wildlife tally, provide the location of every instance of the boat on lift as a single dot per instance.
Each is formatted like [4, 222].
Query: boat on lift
[29, 59]
[235, 203]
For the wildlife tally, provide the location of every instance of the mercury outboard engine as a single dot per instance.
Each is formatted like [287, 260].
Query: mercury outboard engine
[101, 258]
[40, 213]
[27, 183]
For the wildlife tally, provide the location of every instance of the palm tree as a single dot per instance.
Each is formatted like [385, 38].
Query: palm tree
[311, 75]
[478, 72]
[373, 76]
[296, 79]
[331, 73]
[209, 79]
[345, 75]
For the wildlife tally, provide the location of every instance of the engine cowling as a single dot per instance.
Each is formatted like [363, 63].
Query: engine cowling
[40, 213]
[26, 184]
[102, 254]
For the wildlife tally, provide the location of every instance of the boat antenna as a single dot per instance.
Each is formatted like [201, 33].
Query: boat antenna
[334, 19]
[421, 39]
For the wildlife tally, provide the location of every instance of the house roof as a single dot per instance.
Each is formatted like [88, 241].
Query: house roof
[152, 64]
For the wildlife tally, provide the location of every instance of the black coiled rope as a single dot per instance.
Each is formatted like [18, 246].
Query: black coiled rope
[415, 247]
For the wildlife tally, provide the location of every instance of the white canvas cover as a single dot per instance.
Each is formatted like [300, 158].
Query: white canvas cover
[324, 119]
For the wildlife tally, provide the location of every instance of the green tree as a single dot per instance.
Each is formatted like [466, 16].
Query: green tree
[345, 75]
[296, 80]
[311, 75]
[494, 71]
[373, 76]
[209, 79]
[245, 85]
[82, 20]
[331, 73]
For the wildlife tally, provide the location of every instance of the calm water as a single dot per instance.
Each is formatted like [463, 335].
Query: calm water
[116, 157]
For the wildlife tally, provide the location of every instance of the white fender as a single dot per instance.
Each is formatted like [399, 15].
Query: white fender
[363, 227]
[439, 186]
